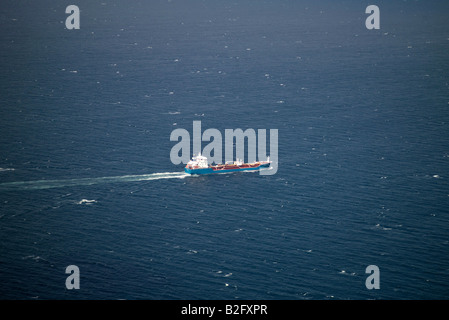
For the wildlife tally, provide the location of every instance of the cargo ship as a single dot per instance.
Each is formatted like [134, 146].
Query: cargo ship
[200, 165]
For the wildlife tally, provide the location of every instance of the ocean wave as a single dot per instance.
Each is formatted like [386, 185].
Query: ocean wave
[85, 201]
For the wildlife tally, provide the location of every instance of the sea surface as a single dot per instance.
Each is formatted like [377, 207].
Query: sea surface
[86, 177]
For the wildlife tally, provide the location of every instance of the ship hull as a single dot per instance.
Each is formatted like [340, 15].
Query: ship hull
[225, 169]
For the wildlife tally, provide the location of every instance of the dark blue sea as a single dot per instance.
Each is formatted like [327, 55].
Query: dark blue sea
[86, 177]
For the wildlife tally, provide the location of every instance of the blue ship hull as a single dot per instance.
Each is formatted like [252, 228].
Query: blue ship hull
[210, 170]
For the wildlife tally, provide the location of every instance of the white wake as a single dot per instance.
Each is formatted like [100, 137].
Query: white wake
[47, 184]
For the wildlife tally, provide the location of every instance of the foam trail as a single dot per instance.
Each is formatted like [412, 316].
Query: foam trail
[47, 184]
